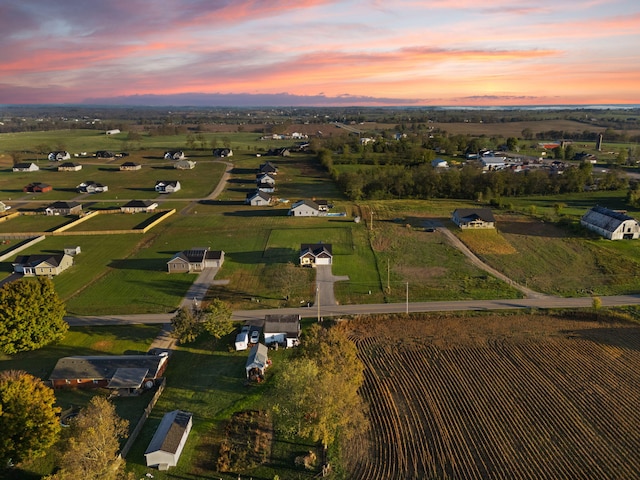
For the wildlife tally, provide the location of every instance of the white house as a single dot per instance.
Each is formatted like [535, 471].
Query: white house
[282, 329]
[60, 156]
[4, 207]
[139, 206]
[304, 208]
[167, 443]
[611, 224]
[174, 155]
[439, 163]
[167, 186]
[474, 218]
[265, 178]
[184, 165]
[25, 167]
[312, 254]
[258, 198]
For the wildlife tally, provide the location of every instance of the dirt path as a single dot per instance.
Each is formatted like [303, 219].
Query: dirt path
[457, 243]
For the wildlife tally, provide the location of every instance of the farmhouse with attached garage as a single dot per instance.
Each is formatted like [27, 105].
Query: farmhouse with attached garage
[167, 443]
[304, 208]
[138, 206]
[184, 165]
[195, 260]
[258, 198]
[125, 373]
[64, 208]
[130, 166]
[60, 156]
[91, 187]
[282, 329]
[174, 155]
[167, 186]
[473, 218]
[315, 254]
[611, 224]
[42, 265]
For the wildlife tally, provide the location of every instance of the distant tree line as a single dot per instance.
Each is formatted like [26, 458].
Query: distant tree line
[423, 181]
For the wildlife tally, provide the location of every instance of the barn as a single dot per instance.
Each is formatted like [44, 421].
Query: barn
[611, 224]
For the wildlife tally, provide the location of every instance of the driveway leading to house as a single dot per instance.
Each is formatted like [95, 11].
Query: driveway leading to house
[324, 282]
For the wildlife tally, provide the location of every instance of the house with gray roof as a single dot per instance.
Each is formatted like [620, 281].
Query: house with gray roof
[116, 372]
[611, 224]
[305, 208]
[282, 329]
[258, 198]
[42, 264]
[169, 440]
[257, 362]
[195, 260]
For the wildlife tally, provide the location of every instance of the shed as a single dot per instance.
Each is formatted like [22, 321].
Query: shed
[167, 443]
[257, 362]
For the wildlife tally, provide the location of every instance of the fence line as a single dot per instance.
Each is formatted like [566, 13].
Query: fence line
[147, 411]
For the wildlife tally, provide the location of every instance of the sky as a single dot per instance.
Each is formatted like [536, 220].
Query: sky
[320, 52]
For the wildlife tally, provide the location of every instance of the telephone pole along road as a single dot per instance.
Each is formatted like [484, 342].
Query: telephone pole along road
[546, 302]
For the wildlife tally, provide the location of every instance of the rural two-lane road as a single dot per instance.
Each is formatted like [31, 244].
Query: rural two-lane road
[339, 310]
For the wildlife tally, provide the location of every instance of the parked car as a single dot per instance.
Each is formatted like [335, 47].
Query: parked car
[255, 336]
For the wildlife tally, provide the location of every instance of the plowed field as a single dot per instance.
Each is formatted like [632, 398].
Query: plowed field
[498, 397]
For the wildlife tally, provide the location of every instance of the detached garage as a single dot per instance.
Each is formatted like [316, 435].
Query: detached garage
[167, 443]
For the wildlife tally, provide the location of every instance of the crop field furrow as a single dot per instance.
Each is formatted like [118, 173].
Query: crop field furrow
[457, 433]
[592, 398]
[511, 397]
[487, 411]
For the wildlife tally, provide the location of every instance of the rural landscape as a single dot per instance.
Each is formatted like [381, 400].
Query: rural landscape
[431, 212]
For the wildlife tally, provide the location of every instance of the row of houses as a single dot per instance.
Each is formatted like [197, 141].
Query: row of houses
[265, 186]
[89, 186]
[75, 167]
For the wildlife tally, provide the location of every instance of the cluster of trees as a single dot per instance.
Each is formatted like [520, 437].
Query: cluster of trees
[316, 396]
[30, 426]
[190, 322]
[31, 315]
[469, 182]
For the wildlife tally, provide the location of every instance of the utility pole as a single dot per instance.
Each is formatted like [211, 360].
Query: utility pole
[388, 283]
[407, 310]
[371, 221]
[318, 300]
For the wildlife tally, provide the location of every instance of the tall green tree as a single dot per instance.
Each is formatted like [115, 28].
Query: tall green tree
[316, 397]
[28, 417]
[31, 315]
[216, 318]
[185, 325]
[91, 449]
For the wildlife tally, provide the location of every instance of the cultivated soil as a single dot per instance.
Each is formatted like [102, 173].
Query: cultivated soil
[512, 397]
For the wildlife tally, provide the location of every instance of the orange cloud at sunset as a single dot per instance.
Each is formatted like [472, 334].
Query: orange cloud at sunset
[410, 52]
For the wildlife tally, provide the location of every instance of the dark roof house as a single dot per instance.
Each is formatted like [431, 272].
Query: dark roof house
[474, 218]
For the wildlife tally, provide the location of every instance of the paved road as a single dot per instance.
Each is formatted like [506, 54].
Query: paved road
[339, 310]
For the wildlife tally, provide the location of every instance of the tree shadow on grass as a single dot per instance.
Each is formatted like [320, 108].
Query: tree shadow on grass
[270, 212]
